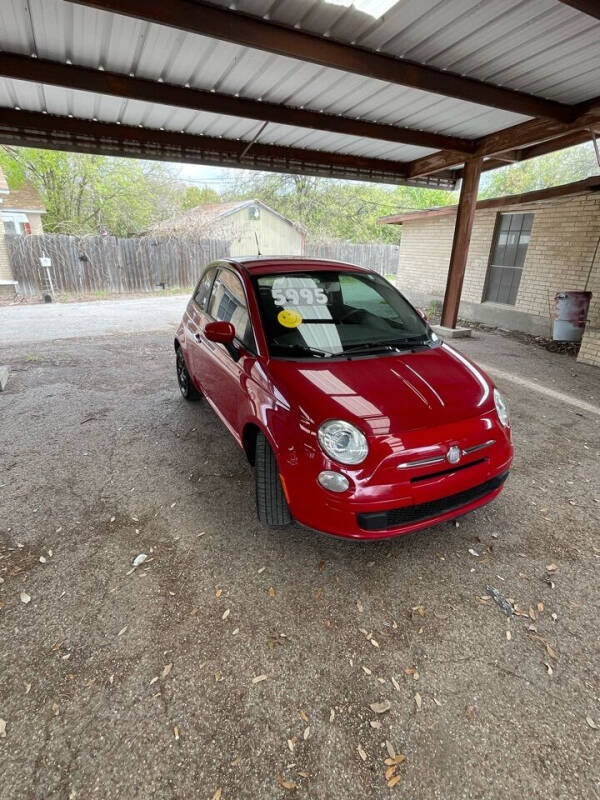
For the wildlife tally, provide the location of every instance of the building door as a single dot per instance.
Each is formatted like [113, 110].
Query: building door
[509, 248]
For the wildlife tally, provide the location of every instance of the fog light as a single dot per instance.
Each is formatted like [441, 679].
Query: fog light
[333, 481]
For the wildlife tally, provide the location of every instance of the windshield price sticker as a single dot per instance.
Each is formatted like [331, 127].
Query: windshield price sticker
[305, 296]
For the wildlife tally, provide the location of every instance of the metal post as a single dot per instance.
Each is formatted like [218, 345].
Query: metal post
[460, 244]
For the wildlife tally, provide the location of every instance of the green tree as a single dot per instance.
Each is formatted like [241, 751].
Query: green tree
[563, 166]
[195, 196]
[336, 209]
[88, 193]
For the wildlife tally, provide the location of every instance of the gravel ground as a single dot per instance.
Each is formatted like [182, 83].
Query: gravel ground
[121, 684]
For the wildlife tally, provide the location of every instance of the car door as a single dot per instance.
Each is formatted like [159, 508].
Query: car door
[224, 372]
[194, 321]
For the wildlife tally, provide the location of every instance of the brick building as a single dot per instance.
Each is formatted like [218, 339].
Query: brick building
[524, 249]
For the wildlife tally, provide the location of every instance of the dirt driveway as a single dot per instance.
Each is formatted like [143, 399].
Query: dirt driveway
[238, 662]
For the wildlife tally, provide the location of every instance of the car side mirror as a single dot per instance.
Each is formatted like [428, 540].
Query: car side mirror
[222, 332]
[422, 314]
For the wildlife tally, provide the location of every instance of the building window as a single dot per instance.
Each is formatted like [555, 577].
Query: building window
[509, 248]
[15, 223]
[253, 212]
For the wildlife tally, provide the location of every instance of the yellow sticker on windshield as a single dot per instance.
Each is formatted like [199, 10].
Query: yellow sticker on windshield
[289, 318]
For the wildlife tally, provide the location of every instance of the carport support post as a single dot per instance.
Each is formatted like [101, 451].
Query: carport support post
[460, 244]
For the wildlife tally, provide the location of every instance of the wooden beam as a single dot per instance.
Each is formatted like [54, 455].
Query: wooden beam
[460, 244]
[42, 71]
[254, 32]
[518, 136]
[34, 129]
[591, 7]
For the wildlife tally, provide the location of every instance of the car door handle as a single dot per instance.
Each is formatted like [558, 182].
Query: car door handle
[197, 337]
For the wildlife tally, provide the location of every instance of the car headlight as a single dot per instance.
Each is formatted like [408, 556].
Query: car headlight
[501, 408]
[343, 442]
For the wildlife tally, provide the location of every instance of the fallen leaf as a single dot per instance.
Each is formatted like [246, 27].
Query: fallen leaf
[540, 607]
[359, 606]
[473, 552]
[390, 771]
[393, 781]
[261, 570]
[303, 715]
[381, 707]
[322, 565]
[551, 567]
[176, 733]
[331, 715]
[306, 733]
[218, 592]
[436, 701]
[361, 752]
[122, 631]
[390, 748]
[418, 701]
[42, 559]
[374, 643]
[259, 678]
[166, 669]
[2, 729]
[302, 773]
[285, 784]
[551, 652]
[549, 669]
[25, 598]
[399, 758]
[588, 719]
[395, 684]
[27, 688]
[532, 614]
[217, 794]
[226, 613]
[271, 592]
[290, 745]
[508, 635]
[374, 723]
[367, 671]
[235, 631]
[153, 680]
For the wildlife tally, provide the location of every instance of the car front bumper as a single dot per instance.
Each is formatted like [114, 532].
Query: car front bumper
[396, 499]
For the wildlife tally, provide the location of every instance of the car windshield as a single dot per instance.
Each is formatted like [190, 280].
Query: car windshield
[331, 313]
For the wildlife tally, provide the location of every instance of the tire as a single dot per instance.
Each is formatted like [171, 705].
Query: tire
[186, 387]
[271, 506]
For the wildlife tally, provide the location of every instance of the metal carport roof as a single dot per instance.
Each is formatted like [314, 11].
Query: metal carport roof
[302, 85]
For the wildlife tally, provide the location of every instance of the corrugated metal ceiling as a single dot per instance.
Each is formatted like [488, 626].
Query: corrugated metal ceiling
[539, 46]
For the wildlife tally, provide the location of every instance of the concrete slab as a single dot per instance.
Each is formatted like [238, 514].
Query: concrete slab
[452, 333]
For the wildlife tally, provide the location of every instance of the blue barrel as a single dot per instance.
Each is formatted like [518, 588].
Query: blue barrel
[570, 315]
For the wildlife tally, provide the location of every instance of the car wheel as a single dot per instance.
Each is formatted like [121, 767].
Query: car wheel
[186, 387]
[271, 505]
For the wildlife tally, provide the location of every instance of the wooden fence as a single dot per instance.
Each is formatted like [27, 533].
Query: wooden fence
[382, 258]
[91, 264]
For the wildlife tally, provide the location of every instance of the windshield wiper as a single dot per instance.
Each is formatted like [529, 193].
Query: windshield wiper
[305, 350]
[388, 344]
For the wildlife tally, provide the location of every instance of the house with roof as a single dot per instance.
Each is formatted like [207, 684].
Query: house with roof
[524, 249]
[249, 226]
[21, 213]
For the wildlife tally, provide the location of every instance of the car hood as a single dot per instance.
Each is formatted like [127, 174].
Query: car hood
[386, 394]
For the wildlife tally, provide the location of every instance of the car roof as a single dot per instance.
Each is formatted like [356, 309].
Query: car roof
[265, 265]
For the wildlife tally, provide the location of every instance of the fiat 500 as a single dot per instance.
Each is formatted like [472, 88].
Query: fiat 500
[358, 419]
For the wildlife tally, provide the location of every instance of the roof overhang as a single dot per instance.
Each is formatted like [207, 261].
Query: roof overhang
[407, 98]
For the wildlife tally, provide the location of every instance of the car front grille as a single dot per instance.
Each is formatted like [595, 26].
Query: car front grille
[397, 517]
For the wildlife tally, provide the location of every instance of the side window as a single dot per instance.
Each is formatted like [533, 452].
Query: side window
[228, 304]
[203, 290]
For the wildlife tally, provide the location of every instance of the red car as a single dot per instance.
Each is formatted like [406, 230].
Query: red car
[358, 419]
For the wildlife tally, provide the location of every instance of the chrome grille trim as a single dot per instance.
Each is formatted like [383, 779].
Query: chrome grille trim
[425, 462]
[477, 447]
